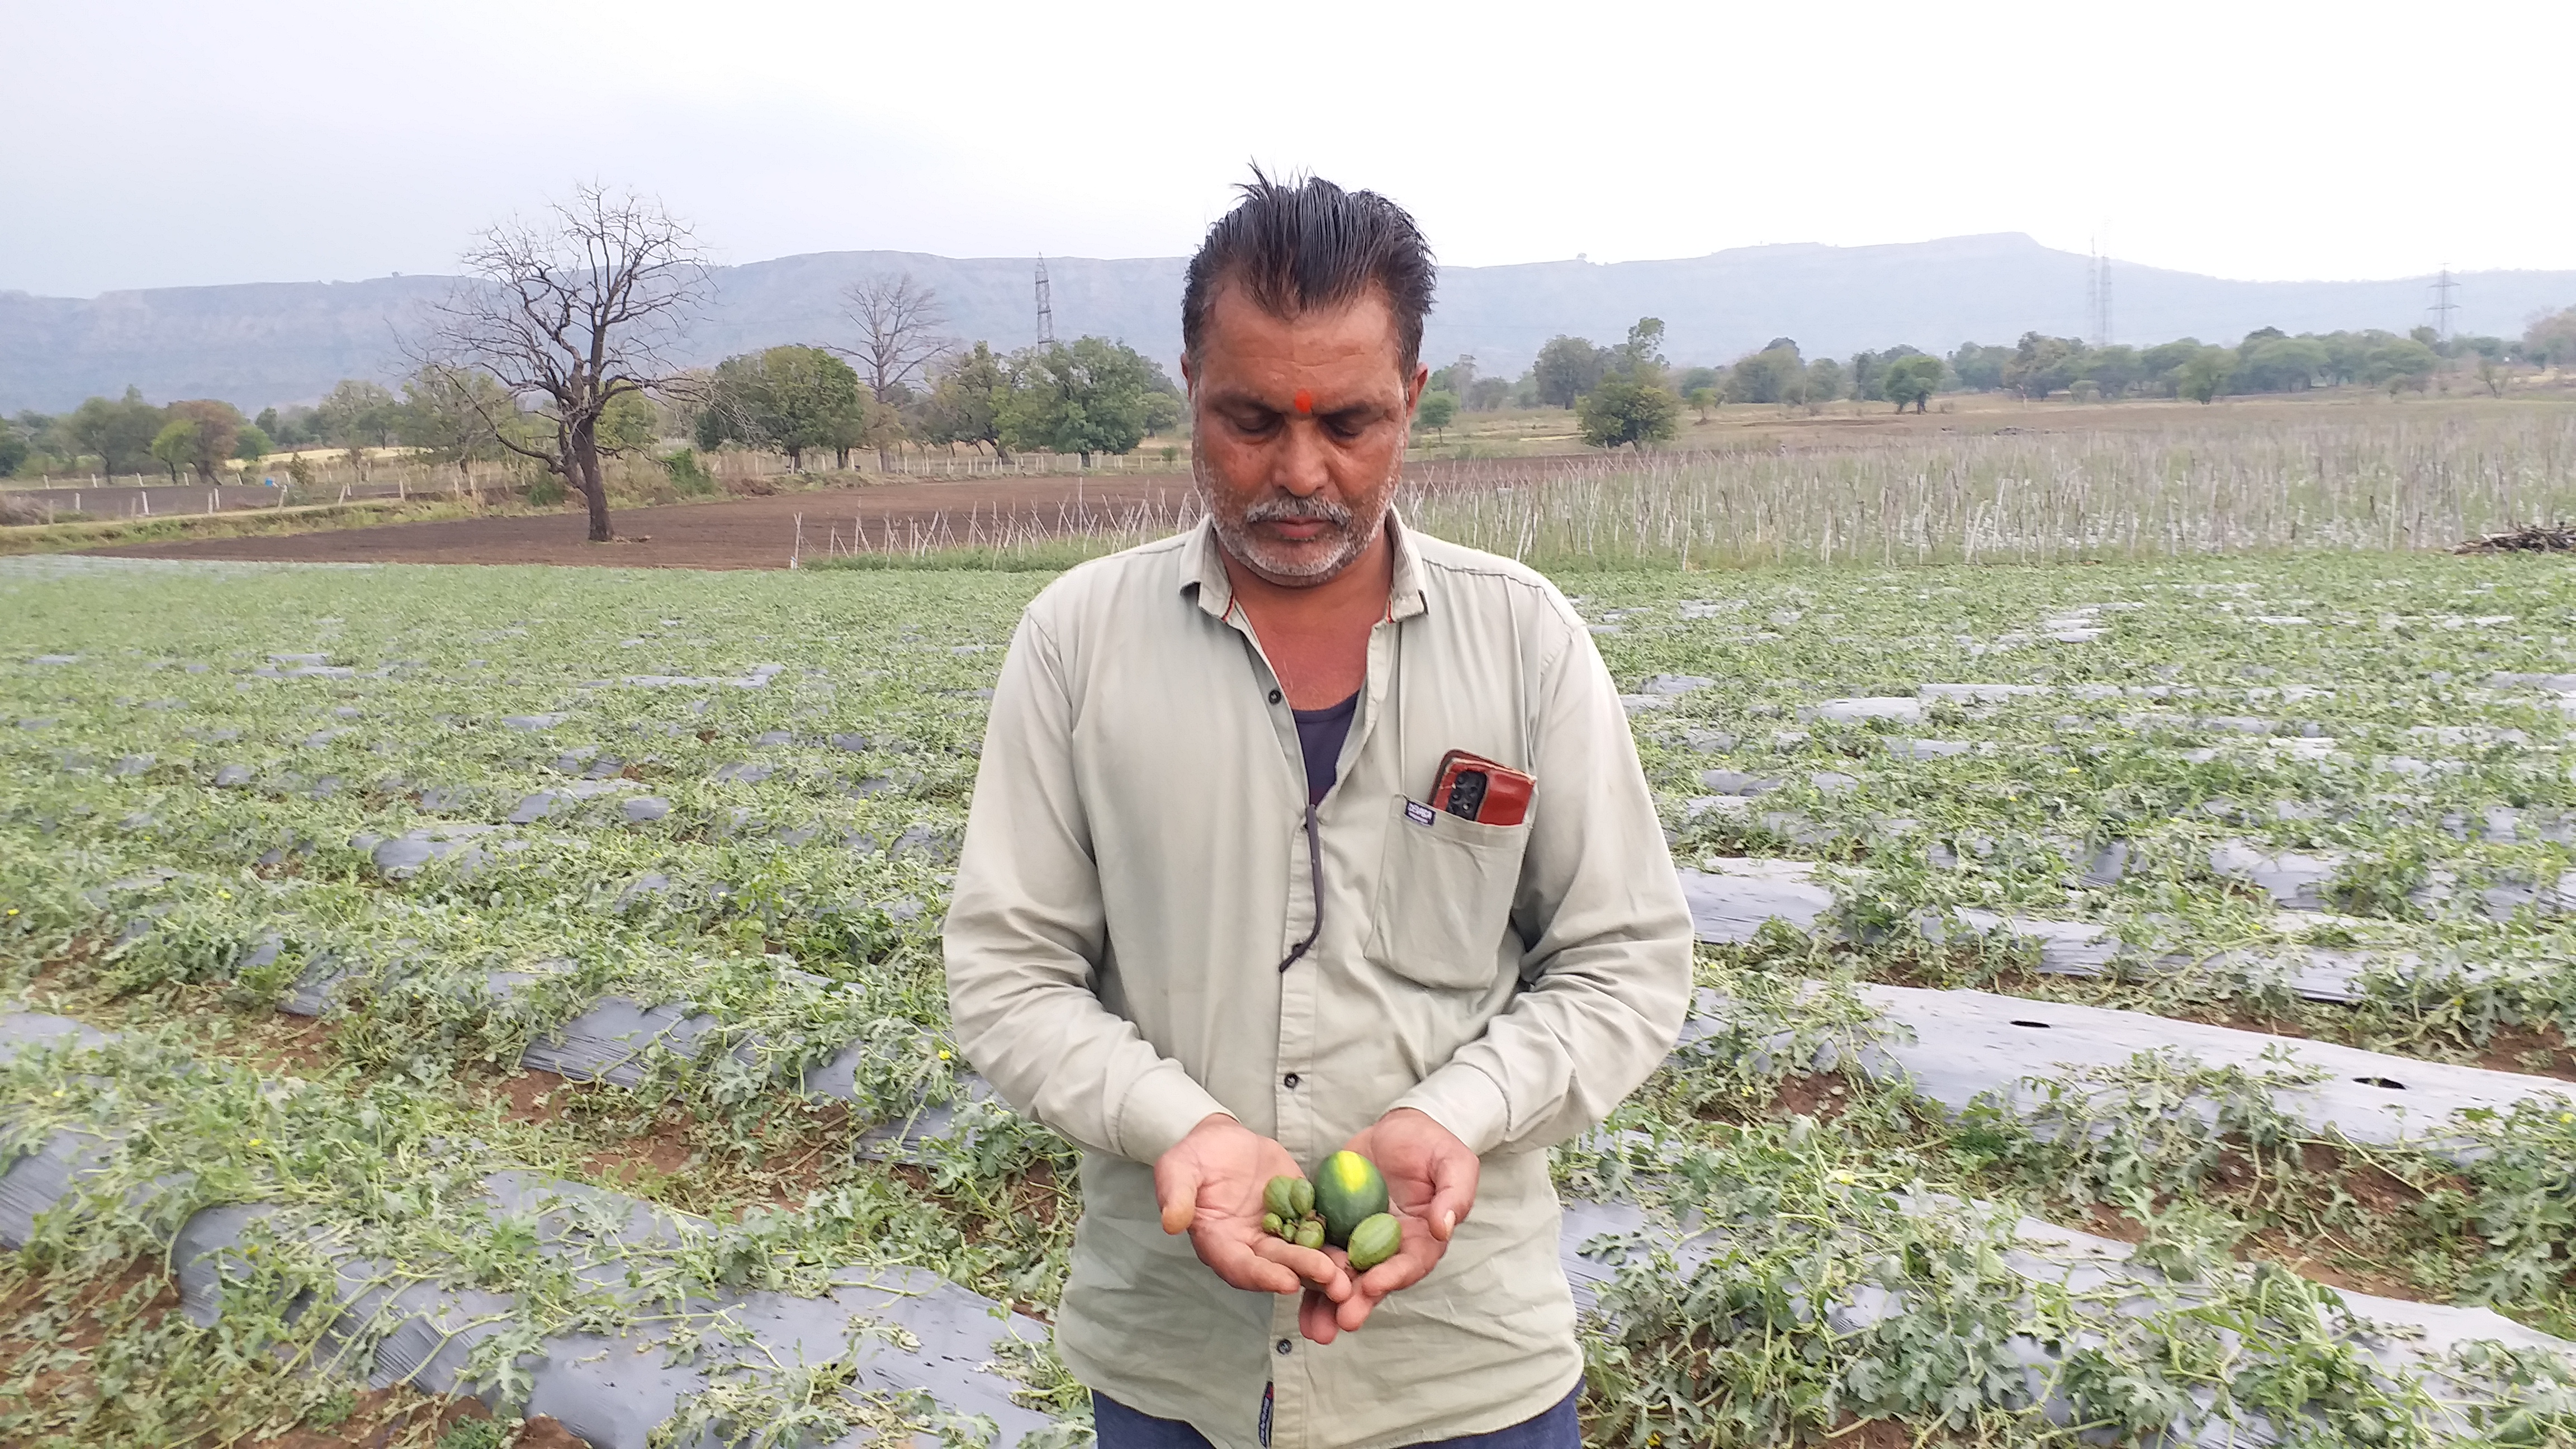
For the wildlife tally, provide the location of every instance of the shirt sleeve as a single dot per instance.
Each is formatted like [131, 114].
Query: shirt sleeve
[1026, 929]
[1608, 962]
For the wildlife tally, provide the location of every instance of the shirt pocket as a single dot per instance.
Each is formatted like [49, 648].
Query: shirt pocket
[1444, 896]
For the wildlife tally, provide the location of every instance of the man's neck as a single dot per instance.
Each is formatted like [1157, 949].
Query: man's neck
[1316, 637]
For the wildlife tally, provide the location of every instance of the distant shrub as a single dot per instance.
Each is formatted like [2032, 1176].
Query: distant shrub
[691, 479]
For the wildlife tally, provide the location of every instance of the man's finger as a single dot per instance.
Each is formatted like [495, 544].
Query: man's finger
[1403, 1270]
[1311, 1264]
[1242, 1266]
[1448, 1208]
[1180, 1196]
[1453, 1193]
[1352, 1313]
[1315, 1318]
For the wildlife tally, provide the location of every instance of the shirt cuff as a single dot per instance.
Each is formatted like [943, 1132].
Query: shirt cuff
[1159, 1110]
[1465, 1101]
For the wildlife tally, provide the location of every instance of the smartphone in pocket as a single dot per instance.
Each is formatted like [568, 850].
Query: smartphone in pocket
[1472, 787]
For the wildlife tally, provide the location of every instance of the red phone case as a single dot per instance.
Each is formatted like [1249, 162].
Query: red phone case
[1507, 791]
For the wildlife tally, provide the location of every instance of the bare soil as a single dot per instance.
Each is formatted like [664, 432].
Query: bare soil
[382, 1418]
[736, 533]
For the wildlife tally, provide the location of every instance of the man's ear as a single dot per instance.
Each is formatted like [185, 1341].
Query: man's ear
[1189, 384]
[1413, 388]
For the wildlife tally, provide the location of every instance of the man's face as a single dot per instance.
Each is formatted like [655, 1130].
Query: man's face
[1298, 430]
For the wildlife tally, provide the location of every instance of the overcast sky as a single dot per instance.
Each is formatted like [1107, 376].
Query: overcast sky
[158, 143]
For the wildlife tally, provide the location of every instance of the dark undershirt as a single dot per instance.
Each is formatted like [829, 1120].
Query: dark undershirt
[1320, 733]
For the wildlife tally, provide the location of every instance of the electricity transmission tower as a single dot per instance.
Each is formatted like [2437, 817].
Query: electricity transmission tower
[2443, 306]
[2097, 294]
[1046, 305]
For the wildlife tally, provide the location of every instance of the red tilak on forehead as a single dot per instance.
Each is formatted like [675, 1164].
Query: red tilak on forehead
[1305, 400]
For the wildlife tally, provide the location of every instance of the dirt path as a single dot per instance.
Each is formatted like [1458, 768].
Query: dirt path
[738, 533]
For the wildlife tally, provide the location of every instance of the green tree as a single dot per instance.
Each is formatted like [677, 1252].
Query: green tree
[214, 436]
[175, 445]
[357, 414]
[1436, 411]
[1567, 368]
[353, 416]
[1980, 368]
[1703, 400]
[1628, 409]
[1457, 379]
[2161, 366]
[629, 424]
[1773, 375]
[2204, 376]
[965, 402]
[1641, 355]
[2113, 369]
[255, 444]
[2281, 364]
[457, 414]
[1084, 398]
[2041, 365]
[2551, 339]
[1824, 381]
[787, 399]
[1911, 379]
[1490, 394]
[2403, 362]
[1869, 369]
[120, 433]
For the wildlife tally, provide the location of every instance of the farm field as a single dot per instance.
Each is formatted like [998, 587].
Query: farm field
[2135, 1005]
[741, 533]
[2039, 484]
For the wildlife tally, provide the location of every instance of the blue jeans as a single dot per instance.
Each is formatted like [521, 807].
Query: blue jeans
[1121, 1427]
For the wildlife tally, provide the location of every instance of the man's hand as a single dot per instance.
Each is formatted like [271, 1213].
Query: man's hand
[1430, 1185]
[1210, 1185]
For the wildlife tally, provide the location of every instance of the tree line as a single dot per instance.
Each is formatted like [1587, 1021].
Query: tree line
[905, 381]
[556, 350]
[452, 416]
[1627, 393]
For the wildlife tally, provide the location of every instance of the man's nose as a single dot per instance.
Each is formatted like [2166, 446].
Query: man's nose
[1300, 468]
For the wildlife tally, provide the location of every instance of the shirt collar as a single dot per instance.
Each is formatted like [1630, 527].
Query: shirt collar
[1405, 597]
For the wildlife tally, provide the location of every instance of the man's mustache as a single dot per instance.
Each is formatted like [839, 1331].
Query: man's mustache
[1298, 510]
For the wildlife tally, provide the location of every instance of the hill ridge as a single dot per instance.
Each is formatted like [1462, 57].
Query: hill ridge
[258, 343]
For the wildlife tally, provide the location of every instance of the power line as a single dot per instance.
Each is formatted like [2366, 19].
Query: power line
[2097, 293]
[2443, 306]
[1046, 304]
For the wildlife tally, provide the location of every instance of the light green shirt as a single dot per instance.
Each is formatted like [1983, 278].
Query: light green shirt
[1136, 867]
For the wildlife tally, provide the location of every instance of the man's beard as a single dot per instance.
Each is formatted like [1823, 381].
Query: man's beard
[1250, 548]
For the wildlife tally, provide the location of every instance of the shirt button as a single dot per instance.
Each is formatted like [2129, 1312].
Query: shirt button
[1283, 1345]
[1274, 699]
[1289, 1081]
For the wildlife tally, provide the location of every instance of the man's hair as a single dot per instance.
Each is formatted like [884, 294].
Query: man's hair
[1308, 246]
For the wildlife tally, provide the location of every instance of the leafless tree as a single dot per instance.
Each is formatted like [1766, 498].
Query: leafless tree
[574, 313]
[898, 321]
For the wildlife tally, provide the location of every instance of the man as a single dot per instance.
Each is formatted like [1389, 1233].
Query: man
[1208, 927]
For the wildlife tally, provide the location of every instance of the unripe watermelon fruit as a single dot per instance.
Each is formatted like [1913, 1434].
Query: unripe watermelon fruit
[1348, 1192]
